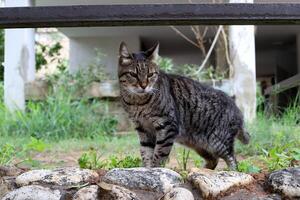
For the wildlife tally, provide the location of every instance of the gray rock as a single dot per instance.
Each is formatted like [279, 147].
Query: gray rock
[62, 177]
[10, 171]
[251, 195]
[7, 184]
[286, 181]
[154, 179]
[115, 192]
[179, 193]
[87, 193]
[33, 192]
[212, 183]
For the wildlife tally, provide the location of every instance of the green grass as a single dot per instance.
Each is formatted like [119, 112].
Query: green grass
[58, 117]
[62, 126]
[269, 132]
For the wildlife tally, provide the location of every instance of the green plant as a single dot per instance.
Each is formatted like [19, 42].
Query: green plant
[47, 54]
[35, 144]
[59, 117]
[281, 156]
[7, 154]
[127, 162]
[191, 70]
[91, 160]
[166, 64]
[247, 166]
[183, 159]
[198, 162]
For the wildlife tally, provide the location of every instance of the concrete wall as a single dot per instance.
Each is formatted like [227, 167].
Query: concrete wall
[83, 51]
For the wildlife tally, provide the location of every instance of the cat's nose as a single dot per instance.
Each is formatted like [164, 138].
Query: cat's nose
[143, 85]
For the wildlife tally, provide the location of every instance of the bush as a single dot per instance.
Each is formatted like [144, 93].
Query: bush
[91, 160]
[58, 117]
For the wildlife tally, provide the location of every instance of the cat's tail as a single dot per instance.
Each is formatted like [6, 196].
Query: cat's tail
[243, 136]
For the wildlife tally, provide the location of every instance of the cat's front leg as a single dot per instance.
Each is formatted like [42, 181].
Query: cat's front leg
[147, 143]
[165, 138]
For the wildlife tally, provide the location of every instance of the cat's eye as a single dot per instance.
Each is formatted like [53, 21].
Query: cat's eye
[133, 74]
[150, 75]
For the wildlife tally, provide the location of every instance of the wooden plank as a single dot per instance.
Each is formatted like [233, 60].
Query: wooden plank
[149, 14]
[284, 85]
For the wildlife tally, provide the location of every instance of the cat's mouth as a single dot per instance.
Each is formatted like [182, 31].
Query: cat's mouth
[139, 90]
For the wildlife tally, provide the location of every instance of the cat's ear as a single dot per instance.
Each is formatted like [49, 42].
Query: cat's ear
[123, 51]
[152, 53]
[125, 57]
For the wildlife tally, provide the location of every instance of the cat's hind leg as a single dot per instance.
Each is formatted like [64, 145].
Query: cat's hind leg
[211, 161]
[231, 162]
[222, 144]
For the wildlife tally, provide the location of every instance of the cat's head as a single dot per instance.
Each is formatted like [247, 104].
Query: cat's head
[138, 72]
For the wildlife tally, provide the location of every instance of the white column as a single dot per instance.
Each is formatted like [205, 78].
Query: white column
[19, 61]
[298, 54]
[242, 53]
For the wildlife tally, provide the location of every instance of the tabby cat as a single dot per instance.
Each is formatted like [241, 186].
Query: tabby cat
[167, 108]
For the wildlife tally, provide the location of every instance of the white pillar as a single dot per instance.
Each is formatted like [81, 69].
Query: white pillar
[242, 53]
[298, 54]
[19, 61]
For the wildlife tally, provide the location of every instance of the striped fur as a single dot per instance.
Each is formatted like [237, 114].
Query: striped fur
[169, 108]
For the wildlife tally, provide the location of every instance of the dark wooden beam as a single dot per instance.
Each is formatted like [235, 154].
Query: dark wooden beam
[149, 14]
[284, 85]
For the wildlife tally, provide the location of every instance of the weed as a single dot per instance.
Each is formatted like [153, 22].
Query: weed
[183, 159]
[198, 162]
[91, 160]
[7, 154]
[280, 156]
[247, 166]
[127, 162]
[58, 117]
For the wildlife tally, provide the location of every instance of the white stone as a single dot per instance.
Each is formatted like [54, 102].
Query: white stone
[212, 183]
[87, 193]
[33, 192]
[179, 193]
[286, 181]
[62, 177]
[115, 192]
[153, 179]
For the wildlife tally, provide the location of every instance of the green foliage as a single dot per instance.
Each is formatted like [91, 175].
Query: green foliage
[127, 162]
[281, 156]
[58, 117]
[91, 160]
[7, 154]
[35, 145]
[183, 158]
[75, 83]
[95, 69]
[270, 131]
[191, 70]
[247, 166]
[47, 54]
[166, 64]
